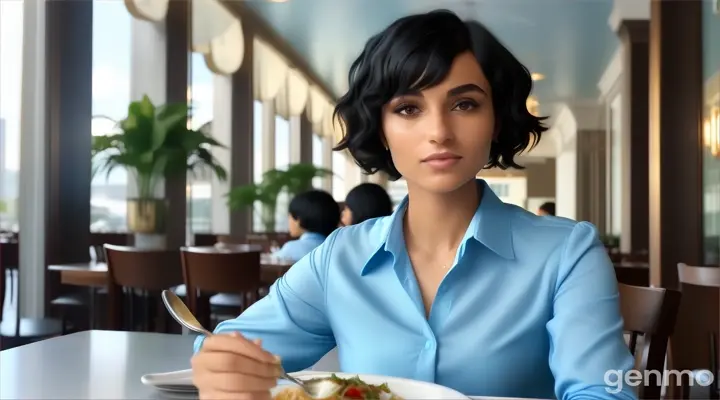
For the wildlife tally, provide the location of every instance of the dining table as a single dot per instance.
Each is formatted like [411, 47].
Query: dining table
[94, 274]
[101, 365]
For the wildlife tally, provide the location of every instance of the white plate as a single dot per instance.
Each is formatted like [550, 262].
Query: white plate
[180, 382]
[408, 389]
[172, 382]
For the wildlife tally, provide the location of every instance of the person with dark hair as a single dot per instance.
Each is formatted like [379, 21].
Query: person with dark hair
[455, 287]
[547, 209]
[366, 201]
[313, 216]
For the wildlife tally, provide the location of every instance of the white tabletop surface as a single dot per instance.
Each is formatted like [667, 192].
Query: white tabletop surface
[92, 365]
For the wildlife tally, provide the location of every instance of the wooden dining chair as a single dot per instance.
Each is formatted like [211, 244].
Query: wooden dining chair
[650, 313]
[234, 270]
[146, 271]
[706, 277]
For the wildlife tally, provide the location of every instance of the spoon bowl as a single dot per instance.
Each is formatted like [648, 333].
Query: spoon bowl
[315, 388]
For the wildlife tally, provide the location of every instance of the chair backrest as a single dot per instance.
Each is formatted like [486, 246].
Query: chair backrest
[234, 269]
[703, 277]
[148, 270]
[650, 312]
[98, 240]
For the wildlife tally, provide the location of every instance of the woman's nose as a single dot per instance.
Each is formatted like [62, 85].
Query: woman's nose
[439, 129]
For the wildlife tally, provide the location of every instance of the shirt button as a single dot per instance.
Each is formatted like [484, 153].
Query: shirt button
[428, 345]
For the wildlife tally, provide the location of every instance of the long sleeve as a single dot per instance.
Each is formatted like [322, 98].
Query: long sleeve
[291, 320]
[586, 329]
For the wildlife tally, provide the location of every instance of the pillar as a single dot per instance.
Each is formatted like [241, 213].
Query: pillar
[590, 175]
[306, 140]
[328, 144]
[676, 94]
[159, 69]
[241, 146]
[635, 125]
[675, 169]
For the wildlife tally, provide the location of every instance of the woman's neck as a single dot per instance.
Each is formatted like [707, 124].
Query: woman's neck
[439, 221]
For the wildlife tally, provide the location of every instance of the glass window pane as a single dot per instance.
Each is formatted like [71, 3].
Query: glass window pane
[200, 96]
[11, 37]
[282, 160]
[282, 143]
[110, 99]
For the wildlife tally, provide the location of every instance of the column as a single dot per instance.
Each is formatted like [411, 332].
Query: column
[675, 169]
[379, 178]
[634, 121]
[676, 95]
[328, 144]
[33, 144]
[590, 175]
[353, 173]
[159, 69]
[241, 145]
[306, 140]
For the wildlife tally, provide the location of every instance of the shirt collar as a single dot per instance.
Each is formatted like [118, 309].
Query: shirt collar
[311, 235]
[490, 226]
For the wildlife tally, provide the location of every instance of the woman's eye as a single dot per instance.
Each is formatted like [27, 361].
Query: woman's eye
[407, 110]
[465, 105]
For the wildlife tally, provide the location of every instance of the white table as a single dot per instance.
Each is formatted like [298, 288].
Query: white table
[95, 365]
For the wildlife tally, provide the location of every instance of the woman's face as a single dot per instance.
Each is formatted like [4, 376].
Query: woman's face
[440, 137]
[346, 216]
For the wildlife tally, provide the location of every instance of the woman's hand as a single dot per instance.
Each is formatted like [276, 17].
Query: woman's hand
[232, 367]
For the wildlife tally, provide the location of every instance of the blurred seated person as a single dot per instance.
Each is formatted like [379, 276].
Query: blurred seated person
[313, 216]
[547, 209]
[366, 201]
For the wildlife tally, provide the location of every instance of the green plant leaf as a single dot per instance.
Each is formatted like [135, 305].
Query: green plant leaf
[155, 142]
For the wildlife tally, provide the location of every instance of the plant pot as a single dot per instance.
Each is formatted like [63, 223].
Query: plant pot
[146, 215]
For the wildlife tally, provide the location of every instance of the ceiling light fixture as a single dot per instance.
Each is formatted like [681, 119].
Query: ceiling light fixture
[536, 76]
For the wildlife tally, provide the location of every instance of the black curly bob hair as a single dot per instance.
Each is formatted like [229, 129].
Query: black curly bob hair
[415, 53]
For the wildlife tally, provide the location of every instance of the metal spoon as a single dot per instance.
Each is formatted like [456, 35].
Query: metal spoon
[316, 388]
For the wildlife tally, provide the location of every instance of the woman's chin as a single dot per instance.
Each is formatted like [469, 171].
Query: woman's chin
[444, 184]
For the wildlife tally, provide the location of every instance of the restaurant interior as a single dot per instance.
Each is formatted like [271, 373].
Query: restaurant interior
[631, 89]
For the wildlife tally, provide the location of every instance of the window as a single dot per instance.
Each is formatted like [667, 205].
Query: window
[11, 37]
[397, 190]
[511, 190]
[500, 189]
[339, 165]
[257, 158]
[317, 158]
[282, 160]
[110, 99]
[199, 189]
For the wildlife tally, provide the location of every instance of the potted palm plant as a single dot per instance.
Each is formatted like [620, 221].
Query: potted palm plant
[297, 178]
[154, 143]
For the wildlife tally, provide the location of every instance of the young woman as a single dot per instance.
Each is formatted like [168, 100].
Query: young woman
[455, 287]
[366, 201]
[313, 216]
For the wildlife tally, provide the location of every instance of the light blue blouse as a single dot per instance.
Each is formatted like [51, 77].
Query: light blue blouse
[529, 309]
[300, 247]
